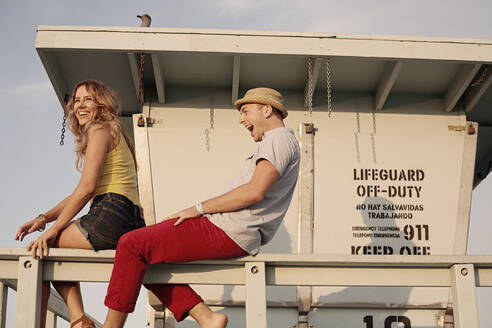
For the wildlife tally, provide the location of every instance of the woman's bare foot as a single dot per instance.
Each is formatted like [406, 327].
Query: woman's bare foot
[206, 318]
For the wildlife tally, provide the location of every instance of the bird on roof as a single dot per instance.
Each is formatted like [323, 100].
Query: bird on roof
[145, 20]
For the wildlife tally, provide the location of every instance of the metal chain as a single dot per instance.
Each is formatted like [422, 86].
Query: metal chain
[357, 148]
[142, 62]
[373, 143]
[207, 140]
[310, 85]
[64, 124]
[373, 121]
[480, 79]
[328, 85]
[373, 136]
[211, 117]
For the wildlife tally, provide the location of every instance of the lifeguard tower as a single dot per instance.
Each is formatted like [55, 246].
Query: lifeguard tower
[394, 133]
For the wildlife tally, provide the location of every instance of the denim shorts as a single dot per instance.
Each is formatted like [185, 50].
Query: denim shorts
[110, 216]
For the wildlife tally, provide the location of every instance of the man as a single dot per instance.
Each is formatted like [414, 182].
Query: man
[230, 225]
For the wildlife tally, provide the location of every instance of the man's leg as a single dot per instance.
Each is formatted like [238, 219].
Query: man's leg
[194, 239]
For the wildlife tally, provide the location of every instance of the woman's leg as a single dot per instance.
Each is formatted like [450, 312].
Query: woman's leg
[71, 237]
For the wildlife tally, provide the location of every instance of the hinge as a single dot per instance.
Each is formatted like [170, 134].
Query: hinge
[470, 129]
[445, 319]
[148, 121]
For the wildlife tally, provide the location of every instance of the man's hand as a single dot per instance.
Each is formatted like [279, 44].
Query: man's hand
[189, 213]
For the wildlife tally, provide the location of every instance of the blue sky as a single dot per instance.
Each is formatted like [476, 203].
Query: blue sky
[36, 172]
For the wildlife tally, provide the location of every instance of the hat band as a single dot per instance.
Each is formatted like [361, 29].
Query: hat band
[263, 95]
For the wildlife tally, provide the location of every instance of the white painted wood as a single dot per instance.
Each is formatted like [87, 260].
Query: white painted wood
[388, 80]
[254, 42]
[56, 77]
[466, 189]
[293, 274]
[4, 292]
[464, 296]
[334, 276]
[55, 303]
[288, 269]
[306, 207]
[484, 277]
[134, 69]
[107, 256]
[29, 293]
[155, 319]
[50, 319]
[474, 93]
[169, 321]
[460, 83]
[316, 70]
[159, 78]
[236, 70]
[142, 153]
[255, 295]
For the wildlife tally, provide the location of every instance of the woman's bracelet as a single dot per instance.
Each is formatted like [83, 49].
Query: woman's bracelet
[43, 220]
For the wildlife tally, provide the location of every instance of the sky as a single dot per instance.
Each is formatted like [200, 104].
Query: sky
[36, 172]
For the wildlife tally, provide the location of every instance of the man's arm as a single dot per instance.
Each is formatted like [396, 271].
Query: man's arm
[264, 177]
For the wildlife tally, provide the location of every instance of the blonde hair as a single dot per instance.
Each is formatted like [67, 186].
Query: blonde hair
[106, 115]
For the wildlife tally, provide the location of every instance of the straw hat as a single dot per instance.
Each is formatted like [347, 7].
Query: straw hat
[265, 96]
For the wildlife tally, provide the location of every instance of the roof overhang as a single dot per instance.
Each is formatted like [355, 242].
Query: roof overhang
[459, 71]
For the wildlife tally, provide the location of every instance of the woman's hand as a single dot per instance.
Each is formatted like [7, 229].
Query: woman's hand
[189, 213]
[30, 227]
[43, 242]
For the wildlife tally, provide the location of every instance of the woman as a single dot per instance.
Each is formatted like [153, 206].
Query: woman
[108, 181]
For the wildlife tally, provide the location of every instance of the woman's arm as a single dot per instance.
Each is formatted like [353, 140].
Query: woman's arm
[39, 223]
[98, 145]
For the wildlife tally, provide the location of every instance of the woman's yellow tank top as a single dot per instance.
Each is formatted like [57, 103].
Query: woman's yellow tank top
[119, 174]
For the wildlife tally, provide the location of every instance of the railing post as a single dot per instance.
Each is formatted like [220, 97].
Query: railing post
[4, 290]
[464, 296]
[305, 230]
[255, 295]
[51, 319]
[29, 284]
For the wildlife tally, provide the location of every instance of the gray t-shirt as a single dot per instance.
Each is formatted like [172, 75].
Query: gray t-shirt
[256, 224]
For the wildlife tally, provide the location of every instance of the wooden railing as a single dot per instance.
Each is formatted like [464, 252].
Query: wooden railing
[461, 273]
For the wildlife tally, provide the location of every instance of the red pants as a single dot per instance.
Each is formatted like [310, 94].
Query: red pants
[192, 240]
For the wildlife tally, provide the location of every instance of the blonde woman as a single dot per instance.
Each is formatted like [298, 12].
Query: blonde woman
[106, 159]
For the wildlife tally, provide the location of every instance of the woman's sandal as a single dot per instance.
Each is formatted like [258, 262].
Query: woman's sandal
[86, 322]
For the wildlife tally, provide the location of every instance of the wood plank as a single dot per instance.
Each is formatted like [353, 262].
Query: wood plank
[461, 81]
[254, 42]
[316, 70]
[465, 311]
[388, 80]
[159, 78]
[4, 292]
[55, 75]
[306, 207]
[466, 189]
[142, 153]
[474, 93]
[28, 308]
[236, 69]
[277, 259]
[134, 69]
[255, 295]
